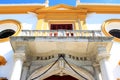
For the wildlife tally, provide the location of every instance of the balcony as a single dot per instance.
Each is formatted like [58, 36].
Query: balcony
[51, 42]
[61, 35]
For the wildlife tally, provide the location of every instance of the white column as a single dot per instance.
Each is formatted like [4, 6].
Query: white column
[24, 73]
[105, 67]
[97, 71]
[19, 59]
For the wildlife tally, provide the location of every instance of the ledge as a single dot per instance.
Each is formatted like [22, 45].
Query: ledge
[55, 39]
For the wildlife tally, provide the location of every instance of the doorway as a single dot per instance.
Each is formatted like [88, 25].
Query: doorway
[57, 77]
[62, 29]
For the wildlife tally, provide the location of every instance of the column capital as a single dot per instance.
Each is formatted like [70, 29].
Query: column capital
[103, 56]
[20, 49]
[20, 56]
[102, 53]
[96, 65]
[20, 52]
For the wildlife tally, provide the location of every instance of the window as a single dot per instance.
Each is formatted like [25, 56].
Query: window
[65, 30]
[115, 33]
[61, 26]
[6, 33]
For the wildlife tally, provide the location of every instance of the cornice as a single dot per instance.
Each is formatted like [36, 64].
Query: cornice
[19, 9]
[90, 8]
[101, 8]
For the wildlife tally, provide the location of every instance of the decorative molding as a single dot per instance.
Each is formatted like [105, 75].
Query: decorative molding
[20, 56]
[20, 48]
[61, 68]
[102, 53]
[103, 56]
[104, 26]
[20, 9]
[20, 52]
[17, 23]
[97, 8]
[2, 61]
[101, 8]
[63, 10]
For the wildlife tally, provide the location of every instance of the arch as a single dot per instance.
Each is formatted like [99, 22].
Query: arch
[57, 70]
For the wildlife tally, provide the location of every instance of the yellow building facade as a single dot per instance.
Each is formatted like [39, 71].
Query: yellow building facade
[41, 42]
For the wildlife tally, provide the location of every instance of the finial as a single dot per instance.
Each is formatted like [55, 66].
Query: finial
[47, 3]
[77, 2]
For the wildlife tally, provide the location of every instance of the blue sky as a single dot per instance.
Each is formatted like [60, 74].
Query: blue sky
[54, 2]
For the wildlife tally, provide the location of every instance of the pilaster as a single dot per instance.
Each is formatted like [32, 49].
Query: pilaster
[97, 71]
[82, 19]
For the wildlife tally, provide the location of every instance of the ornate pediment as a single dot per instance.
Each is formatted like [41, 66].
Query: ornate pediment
[60, 8]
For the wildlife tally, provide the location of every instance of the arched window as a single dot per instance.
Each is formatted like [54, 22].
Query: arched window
[6, 33]
[115, 33]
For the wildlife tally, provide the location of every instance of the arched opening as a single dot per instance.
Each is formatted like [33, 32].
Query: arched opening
[54, 73]
[115, 33]
[6, 33]
[57, 77]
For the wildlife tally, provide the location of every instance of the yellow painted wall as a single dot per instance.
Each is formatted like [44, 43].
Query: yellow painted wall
[46, 18]
[83, 25]
[42, 24]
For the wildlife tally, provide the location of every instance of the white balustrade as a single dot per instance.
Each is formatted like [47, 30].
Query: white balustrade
[61, 33]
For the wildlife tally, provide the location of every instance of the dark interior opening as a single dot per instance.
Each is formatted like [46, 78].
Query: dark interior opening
[6, 33]
[57, 77]
[61, 26]
[115, 33]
